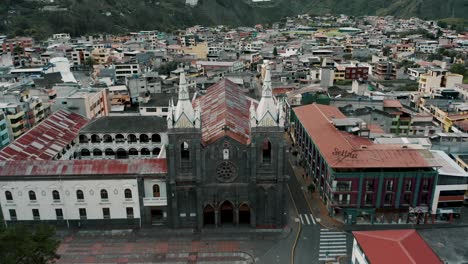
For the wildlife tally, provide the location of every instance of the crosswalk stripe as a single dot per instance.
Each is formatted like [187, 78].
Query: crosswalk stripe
[331, 235]
[332, 250]
[332, 246]
[302, 221]
[331, 254]
[333, 239]
[313, 220]
[326, 259]
[331, 232]
[307, 218]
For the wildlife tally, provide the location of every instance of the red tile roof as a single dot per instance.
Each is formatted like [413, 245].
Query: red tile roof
[392, 104]
[344, 150]
[63, 168]
[46, 140]
[225, 105]
[395, 246]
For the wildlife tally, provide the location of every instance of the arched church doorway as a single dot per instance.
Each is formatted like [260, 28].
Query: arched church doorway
[227, 212]
[244, 214]
[208, 215]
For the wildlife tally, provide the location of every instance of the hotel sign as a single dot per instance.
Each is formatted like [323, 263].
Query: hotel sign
[342, 153]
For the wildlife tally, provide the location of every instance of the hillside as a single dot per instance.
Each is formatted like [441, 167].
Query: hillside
[27, 17]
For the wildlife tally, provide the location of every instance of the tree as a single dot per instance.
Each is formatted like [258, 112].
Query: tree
[459, 69]
[386, 51]
[275, 51]
[89, 62]
[24, 245]
[442, 24]
[18, 50]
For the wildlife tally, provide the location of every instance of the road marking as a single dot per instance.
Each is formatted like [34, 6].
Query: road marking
[307, 219]
[333, 239]
[312, 217]
[296, 220]
[333, 246]
[302, 221]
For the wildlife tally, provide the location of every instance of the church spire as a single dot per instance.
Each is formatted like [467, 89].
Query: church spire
[267, 110]
[184, 115]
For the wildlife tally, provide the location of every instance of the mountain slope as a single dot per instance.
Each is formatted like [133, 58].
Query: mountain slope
[25, 17]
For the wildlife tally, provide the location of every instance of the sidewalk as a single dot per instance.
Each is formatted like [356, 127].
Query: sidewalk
[316, 205]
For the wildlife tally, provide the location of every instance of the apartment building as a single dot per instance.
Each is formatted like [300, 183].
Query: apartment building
[4, 135]
[90, 103]
[436, 79]
[354, 176]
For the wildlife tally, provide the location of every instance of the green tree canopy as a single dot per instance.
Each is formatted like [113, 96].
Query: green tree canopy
[28, 245]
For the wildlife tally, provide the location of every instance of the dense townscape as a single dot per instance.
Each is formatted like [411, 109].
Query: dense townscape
[314, 125]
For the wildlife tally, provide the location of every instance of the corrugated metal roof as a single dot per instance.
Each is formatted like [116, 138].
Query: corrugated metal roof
[395, 246]
[225, 111]
[344, 150]
[63, 168]
[46, 140]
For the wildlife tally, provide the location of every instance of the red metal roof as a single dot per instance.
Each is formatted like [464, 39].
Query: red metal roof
[224, 111]
[392, 104]
[344, 150]
[395, 246]
[46, 140]
[65, 168]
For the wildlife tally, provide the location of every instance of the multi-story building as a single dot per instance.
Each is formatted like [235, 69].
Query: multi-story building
[90, 103]
[100, 55]
[16, 119]
[436, 79]
[123, 137]
[125, 70]
[79, 56]
[428, 46]
[4, 135]
[354, 176]
[81, 193]
[384, 70]
[52, 139]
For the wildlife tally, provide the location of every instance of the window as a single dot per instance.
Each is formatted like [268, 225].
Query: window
[151, 110]
[184, 151]
[368, 199]
[106, 213]
[165, 109]
[425, 185]
[79, 195]
[104, 195]
[59, 214]
[407, 198]
[424, 198]
[408, 185]
[389, 185]
[32, 196]
[36, 215]
[156, 138]
[8, 196]
[266, 151]
[82, 212]
[343, 186]
[156, 191]
[130, 212]
[13, 216]
[128, 194]
[55, 195]
[370, 186]
[388, 199]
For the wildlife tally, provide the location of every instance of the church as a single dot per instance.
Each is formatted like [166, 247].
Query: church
[226, 158]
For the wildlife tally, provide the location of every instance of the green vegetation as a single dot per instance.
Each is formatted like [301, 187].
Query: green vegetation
[458, 24]
[25, 245]
[460, 69]
[25, 17]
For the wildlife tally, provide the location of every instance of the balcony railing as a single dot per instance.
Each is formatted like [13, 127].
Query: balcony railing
[154, 201]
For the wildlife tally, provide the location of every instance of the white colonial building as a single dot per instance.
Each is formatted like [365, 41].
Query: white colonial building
[84, 193]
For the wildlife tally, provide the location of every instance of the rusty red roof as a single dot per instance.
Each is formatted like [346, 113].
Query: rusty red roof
[47, 139]
[344, 150]
[395, 246]
[63, 168]
[392, 104]
[225, 111]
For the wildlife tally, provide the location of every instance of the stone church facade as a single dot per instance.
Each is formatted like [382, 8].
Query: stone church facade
[226, 159]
